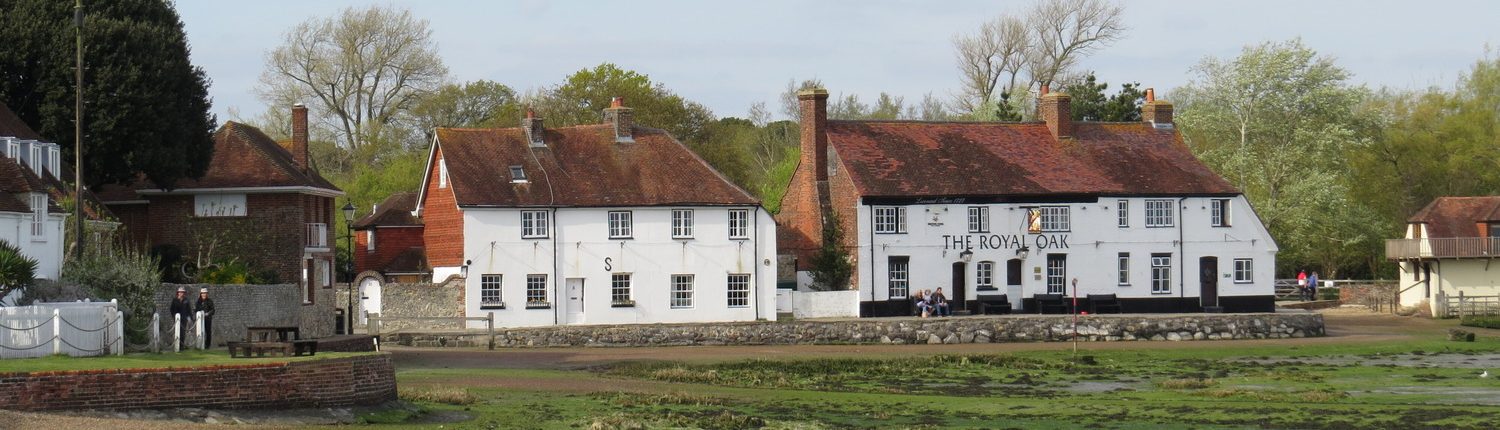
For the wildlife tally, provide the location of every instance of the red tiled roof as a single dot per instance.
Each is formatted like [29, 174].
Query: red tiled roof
[917, 159]
[412, 260]
[393, 211]
[581, 166]
[1457, 216]
[244, 157]
[12, 126]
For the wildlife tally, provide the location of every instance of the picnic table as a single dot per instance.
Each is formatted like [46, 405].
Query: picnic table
[283, 340]
[265, 333]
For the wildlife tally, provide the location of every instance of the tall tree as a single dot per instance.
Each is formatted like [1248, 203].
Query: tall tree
[1090, 103]
[997, 51]
[358, 71]
[789, 104]
[1064, 30]
[148, 107]
[473, 104]
[1044, 44]
[1277, 121]
[582, 97]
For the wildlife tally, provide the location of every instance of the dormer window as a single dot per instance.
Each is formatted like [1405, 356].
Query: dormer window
[517, 175]
[12, 149]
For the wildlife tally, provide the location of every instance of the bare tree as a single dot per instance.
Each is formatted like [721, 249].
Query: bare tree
[358, 70]
[998, 50]
[1063, 30]
[789, 104]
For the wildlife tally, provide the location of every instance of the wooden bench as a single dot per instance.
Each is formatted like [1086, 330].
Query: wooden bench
[1104, 303]
[1050, 304]
[304, 347]
[272, 333]
[259, 349]
[994, 304]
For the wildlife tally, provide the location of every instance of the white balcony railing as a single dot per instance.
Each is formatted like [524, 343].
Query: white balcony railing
[317, 235]
[1443, 247]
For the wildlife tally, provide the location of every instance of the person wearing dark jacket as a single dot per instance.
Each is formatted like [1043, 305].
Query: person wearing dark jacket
[184, 310]
[206, 306]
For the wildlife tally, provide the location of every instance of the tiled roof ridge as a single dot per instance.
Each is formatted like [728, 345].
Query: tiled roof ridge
[274, 153]
[935, 122]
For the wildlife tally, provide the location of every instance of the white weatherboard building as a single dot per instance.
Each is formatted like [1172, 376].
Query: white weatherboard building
[30, 218]
[1021, 209]
[594, 224]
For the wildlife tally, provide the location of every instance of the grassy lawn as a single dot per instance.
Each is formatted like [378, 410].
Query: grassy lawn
[1422, 383]
[183, 359]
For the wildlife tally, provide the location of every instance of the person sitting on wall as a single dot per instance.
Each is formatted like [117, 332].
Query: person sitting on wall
[940, 303]
[923, 307]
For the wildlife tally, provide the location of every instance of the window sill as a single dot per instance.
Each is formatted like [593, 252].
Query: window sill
[539, 305]
[535, 237]
[629, 304]
[1161, 293]
[682, 238]
[682, 307]
[986, 288]
[1244, 282]
[1122, 285]
[739, 238]
[492, 306]
[890, 232]
[622, 238]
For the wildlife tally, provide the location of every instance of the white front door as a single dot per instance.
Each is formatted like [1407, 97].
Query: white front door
[575, 301]
[369, 298]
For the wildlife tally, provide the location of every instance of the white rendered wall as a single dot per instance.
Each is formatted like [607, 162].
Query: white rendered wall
[825, 304]
[1093, 242]
[580, 240]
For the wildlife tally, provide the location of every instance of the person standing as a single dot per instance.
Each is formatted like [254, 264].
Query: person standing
[1302, 285]
[1312, 286]
[184, 312]
[206, 306]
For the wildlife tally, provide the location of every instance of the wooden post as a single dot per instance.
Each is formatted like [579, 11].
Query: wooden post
[156, 333]
[198, 328]
[56, 331]
[119, 333]
[490, 327]
[373, 324]
[176, 332]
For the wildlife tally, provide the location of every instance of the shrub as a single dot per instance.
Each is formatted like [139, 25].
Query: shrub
[448, 395]
[112, 270]
[17, 271]
[53, 291]
[1482, 321]
[235, 272]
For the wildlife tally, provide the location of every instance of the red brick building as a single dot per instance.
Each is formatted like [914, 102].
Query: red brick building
[388, 241]
[260, 202]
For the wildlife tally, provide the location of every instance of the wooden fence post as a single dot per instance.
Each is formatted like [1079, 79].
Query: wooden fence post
[56, 331]
[156, 333]
[119, 332]
[176, 332]
[373, 324]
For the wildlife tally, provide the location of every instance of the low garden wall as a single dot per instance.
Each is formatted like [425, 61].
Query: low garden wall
[974, 329]
[239, 306]
[825, 304]
[359, 380]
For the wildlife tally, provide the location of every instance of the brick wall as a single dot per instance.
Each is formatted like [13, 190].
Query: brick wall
[271, 236]
[389, 242]
[239, 306]
[444, 223]
[360, 380]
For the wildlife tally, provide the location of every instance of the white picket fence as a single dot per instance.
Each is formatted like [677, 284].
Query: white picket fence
[76, 329]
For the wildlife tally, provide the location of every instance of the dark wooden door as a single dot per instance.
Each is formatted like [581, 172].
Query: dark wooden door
[956, 297]
[1208, 279]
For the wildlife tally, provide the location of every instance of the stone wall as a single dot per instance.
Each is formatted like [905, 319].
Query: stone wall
[238, 306]
[359, 380]
[976, 329]
[444, 299]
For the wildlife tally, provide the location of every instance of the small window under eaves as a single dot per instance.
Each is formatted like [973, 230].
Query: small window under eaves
[517, 175]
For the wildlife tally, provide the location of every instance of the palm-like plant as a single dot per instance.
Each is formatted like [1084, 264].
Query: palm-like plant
[17, 271]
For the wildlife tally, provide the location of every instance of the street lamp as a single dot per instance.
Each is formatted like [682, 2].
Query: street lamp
[966, 256]
[349, 246]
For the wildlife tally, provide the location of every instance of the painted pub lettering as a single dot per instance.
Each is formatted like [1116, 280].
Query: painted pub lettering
[1004, 241]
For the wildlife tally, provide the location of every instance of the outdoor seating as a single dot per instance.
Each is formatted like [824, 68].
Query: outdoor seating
[994, 304]
[1050, 304]
[1104, 304]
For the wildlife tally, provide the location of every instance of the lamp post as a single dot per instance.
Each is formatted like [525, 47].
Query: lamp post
[348, 210]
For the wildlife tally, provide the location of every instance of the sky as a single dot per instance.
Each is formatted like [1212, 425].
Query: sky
[728, 55]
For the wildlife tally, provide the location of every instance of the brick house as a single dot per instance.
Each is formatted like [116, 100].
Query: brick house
[610, 223]
[1025, 208]
[31, 174]
[260, 202]
[388, 247]
[1446, 254]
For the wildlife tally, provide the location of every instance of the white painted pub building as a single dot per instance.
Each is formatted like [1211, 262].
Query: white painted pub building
[608, 223]
[1020, 209]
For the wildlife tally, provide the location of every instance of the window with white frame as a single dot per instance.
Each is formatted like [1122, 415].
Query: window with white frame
[534, 224]
[35, 162]
[218, 205]
[489, 291]
[682, 223]
[442, 174]
[619, 289]
[897, 269]
[370, 239]
[1161, 273]
[979, 219]
[619, 224]
[1122, 211]
[682, 291]
[536, 290]
[890, 219]
[739, 224]
[1055, 218]
[1219, 212]
[54, 164]
[1057, 273]
[1244, 270]
[38, 216]
[1159, 213]
[739, 290]
[984, 274]
[1122, 269]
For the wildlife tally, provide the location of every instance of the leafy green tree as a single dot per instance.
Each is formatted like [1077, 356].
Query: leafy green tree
[831, 269]
[474, 104]
[1091, 104]
[581, 99]
[148, 106]
[1278, 122]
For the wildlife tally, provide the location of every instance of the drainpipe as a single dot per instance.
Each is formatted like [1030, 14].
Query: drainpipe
[756, 264]
[556, 272]
[1182, 249]
[871, 210]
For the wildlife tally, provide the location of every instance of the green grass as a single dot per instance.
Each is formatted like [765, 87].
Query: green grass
[183, 359]
[1236, 386]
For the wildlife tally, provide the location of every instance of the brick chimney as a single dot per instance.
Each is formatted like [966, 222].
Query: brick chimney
[1156, 112]
[299, 136]
[532, 126]
[814, 106]
[621, 118]
[1057, 110]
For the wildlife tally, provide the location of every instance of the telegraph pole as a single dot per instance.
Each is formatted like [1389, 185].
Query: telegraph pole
[78, 200]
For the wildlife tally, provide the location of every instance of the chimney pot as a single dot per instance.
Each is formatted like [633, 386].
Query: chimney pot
[617, 102]
[1046, 89]
[299, 136]
[622, 119]
[1150, 95]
